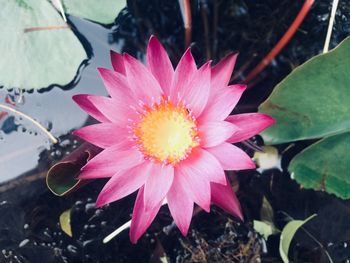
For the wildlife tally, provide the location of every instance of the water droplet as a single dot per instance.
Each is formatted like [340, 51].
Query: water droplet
[23, 243]
[89, 207]
[323, 17]
[87, 242]
[47, 233]
[3, 202]
[58, 154]
[65, 143]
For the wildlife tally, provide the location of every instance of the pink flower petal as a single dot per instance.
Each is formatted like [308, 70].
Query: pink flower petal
[141, 218]
[158, 184]
[231, 157]
[117, 113]
[221, 72]
[206, 165]
[221, 103]
[198, 185]
[117, 86]
[250, 124]
[224, 197]
[180, 204]
[141, 81]
[103, 134]
[196, 93]
[111, 161]
[159, 64]
[124, 183]
[84, 102]
[117, 62]
[183, 75]
[215, 132]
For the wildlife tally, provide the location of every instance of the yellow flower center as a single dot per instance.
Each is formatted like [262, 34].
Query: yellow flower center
[166, 133]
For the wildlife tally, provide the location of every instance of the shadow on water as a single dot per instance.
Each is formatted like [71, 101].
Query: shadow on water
[29, 226]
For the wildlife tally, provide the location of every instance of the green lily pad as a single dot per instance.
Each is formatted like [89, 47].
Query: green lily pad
[312, 101]
[287, 235]
[102, 11]
[325, 165]
[34, 58]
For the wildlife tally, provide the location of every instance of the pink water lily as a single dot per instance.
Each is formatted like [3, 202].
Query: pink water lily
[168, 134]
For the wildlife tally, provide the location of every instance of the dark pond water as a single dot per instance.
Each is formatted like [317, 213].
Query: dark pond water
[29, 213]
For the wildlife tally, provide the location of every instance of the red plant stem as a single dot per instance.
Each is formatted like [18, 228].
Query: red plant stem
[187, 22]
[39, 28]
[282, 42]
[3, 114]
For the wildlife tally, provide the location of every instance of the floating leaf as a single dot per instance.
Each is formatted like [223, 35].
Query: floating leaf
[325, 165]
[32, 57]
[287, 235]
[65, 222]
[103, 11]
[312, 101]
[61, 179]
[265, 228]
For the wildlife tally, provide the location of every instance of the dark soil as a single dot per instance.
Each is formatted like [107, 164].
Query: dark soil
[29, 213]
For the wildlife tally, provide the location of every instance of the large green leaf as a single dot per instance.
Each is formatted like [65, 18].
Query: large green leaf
[313, 101]
[325, 165]
[39, 58]
[102, 11]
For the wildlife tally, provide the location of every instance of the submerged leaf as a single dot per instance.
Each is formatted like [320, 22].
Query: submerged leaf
[325, 165]
[34, 56]
[268, 158]
[65, 222]
[266, 211]
[312, 101]
[287, 235]
[61, 179]
[265, 228]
